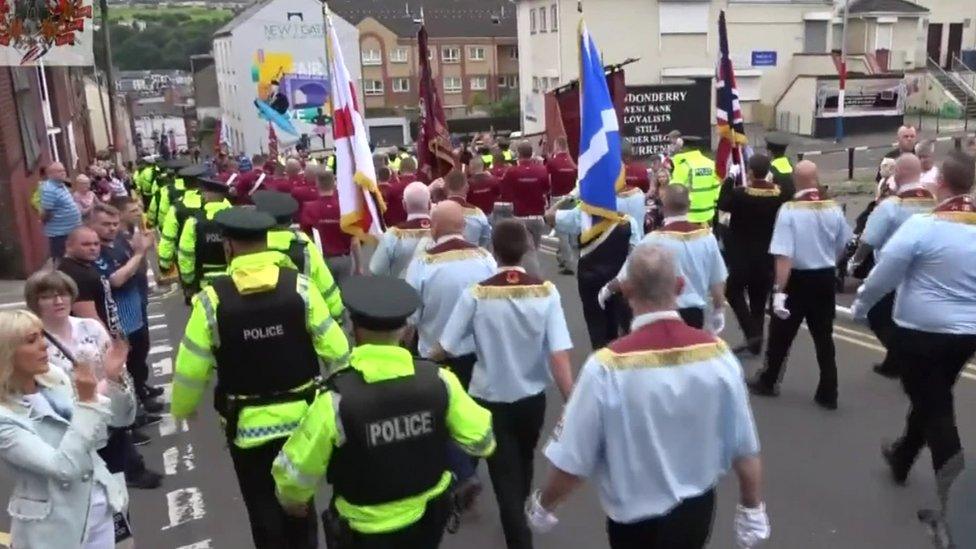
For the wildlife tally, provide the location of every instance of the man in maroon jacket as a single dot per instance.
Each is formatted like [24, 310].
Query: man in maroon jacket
[322, 215]
[527, 183]
[483, 188]
[306, 190]
[562, 175]
[293, 176]
[247, 183]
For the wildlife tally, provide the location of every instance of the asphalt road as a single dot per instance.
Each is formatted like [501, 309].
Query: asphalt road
[825, 485]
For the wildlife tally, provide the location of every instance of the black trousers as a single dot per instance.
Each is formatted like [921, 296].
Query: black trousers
[603, 325]
[930, 364]
[462, 366]
[693, 316]
[426, 533]
[810, 296]
[271, 527]
[687, 526]
[136, 360]
[516, 426]
[883, 325]
[747, 290]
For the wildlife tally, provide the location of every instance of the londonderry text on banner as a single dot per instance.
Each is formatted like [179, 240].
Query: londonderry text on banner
[48, 32]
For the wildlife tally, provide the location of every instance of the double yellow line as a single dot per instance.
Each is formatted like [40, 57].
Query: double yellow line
[868, 341]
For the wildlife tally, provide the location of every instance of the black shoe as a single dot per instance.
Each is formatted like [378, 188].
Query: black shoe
[825, 402]
[746, 348]
[758, 387]
[152, 406]
[886, 371]
[889, 452]
[152, 392]
[145, 420]
[139, 438]
[144, 480]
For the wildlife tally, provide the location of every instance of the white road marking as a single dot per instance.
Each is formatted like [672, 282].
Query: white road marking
[172, 458]
[188, 456]
[160, 349]
[205, 544]
[156, 316]
[163, 367]
[167, 396]
[184, 505]
[157, 327]
[169, 425]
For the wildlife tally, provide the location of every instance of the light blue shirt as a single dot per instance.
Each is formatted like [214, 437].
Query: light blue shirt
[699, 263]
[652, 433]
[440, 279]
[515, 329]
[396, 249]
[889, 215]
[57, 200]
[931, 260]
[477, 230]
[632, 203]
[812, 234]
[571, 222]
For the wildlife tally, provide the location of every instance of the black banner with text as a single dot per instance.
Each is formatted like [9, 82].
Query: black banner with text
[650, 112]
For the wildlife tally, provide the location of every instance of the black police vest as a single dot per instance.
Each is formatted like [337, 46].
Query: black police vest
[296, 251]
[603, 262]
[209, 245]
[265, 347]
[396, 435]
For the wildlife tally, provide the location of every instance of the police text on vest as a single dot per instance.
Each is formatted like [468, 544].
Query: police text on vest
[400, 428]
[264, 332]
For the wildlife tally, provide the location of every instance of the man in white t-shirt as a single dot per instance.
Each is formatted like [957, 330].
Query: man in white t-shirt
[925, 151]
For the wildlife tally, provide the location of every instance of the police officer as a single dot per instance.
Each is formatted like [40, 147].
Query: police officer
[697, 172]
[809, 235]
[145, 180]
[264, 333]
[171, 188]
[911, 197]
[378, 434]
[184, 204]
[303, 254]
[779, 165]
[504, 148]
[931, 259]
[752, 213]
[201, 250]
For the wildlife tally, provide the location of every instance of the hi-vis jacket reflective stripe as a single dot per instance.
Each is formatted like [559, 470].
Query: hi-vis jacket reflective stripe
[171, 229]
[315, 268]
[188, 243]
[195, 361]
[697, 172]
[304, 459]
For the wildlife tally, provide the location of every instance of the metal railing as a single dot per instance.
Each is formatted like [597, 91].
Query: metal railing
[964, 74]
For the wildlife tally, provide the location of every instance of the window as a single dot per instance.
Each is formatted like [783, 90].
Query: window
[553, 83]
[684, 18]
[542, 19]
[513, 81]
[532, 21]
[513, 52]
[431, 52]
[398, 55]
[535, 84]
[401, 85]
[452, 84]
[27, 108]
[373, 87]
[450, 54]
[476, 53]
[502, 82]
[479, 83]
[372, 57]
[553, 19]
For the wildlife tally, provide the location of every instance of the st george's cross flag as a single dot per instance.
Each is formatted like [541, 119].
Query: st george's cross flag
[728, 111]
[360, 203]
[601, 169]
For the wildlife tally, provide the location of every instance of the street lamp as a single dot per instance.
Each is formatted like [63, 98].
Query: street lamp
[843, 77]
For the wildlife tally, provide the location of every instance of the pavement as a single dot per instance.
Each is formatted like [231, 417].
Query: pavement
[825, 484]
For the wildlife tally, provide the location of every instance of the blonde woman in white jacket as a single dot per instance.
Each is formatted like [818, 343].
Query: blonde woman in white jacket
[51, 427]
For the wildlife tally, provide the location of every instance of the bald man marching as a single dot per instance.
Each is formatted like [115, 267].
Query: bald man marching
[810, 234]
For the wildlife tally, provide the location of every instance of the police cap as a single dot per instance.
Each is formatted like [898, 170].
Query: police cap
[194, 171]
[214, 184]
[695, 142]
[778, 139]
[281, 206]
[175, 164]
[242, 223]
[379, 303]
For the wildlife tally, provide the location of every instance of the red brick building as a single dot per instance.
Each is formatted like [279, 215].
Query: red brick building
[43, 118]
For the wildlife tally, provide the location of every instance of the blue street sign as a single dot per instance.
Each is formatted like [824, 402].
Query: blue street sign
[763, 58]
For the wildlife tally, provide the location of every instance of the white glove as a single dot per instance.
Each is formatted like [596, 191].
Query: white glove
[851, 267]
[734, 171]
[605, 294]
[779, 306]
[718, 321]
[751, 526]
[540, 521]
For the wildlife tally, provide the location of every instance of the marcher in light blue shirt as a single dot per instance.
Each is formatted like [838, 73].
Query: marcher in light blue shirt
[700, 263]
[931, 259]
[520, 337]
[657, 419]
[809, 236]
[570, 222]
[399, 244]
[632, 202]
[477, 230]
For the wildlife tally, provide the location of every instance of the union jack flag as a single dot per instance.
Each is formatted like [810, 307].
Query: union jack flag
[728, 112]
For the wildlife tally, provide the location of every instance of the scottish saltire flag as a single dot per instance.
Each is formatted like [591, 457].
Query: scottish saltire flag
[600, 166]
[728, 112]
[360, 203]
